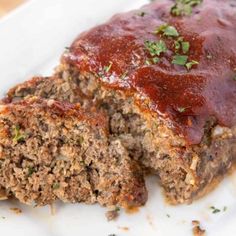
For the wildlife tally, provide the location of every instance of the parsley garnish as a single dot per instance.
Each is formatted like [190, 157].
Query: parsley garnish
[184, 7]
[108, 68]
[225, 208]
[31, 170]
[155, 48]
[156, 60]
[185, 47]
[56, 186]
[191, 63]
[168, 215]
[181, 109]
[117, 209]
[142, 14]
[167, 30]
[180, 60]
[214, 210]
[124, 75]
[18, 136]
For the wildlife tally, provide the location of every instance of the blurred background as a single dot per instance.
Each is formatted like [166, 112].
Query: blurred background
[8, 5]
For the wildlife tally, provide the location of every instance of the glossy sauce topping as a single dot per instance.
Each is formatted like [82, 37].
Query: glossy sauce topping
[115, 52]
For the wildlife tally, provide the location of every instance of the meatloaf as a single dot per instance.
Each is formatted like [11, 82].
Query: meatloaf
[165, 75]
[54, 150]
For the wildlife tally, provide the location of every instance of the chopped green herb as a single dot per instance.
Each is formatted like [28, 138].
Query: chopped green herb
[177, 45]
[124, 75]
[82, 163]
[108, 68]
[180, 60]
[155, 48]
[112, 235]
[31, 170]
[214, 210]
[117, 209]
[168, 215]
[18, 136]
[56, 186]
[3, 217]
[148, 63]
[181, 109]
[156, 60]
[191, 63]
[225, 208]
[142, 14]
[167, 30]
[185, 47]
[184, 7]
[67, 48]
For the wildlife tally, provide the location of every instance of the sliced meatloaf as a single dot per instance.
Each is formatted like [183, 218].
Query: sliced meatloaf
[166, 79]
[53, 150]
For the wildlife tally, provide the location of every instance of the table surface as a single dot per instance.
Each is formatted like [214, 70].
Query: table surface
[8, 5]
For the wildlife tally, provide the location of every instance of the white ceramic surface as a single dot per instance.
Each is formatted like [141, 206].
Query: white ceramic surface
[31, 41]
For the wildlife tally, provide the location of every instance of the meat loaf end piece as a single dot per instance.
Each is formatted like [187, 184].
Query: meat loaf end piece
[51, 150]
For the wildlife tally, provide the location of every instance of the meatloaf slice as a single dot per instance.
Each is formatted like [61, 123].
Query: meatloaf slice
[179, 121]
[167, 81]
[52, 150]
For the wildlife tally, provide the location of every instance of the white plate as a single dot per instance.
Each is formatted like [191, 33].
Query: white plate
[32, 39]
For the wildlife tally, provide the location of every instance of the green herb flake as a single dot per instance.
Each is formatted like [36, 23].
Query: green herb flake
[168, 215]
[117, 209]
[225, 208]
[123, 76]
[3, 217]
[181, 109]
[156, 60]
[111, 234]
[108, 68]
[214, 210]
[185, 47]
[18, 136]
[190, 64]
[167, 30]
[56, 186]
[31, 170]
[148, 63]
[184, 7]
[155, 48]
[177, 45]
[180, 60]
[142, 14]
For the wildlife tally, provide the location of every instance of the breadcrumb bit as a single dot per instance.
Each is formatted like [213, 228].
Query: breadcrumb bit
[112, 215]
[197, 231]
[16, 210]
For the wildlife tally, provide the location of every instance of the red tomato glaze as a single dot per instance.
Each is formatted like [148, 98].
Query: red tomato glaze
[187, 98]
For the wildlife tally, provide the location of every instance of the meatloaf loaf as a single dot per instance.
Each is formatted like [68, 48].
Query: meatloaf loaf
[165, 76]
[52, 150]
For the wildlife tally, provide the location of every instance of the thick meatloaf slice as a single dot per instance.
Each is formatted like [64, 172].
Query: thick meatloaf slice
[52, 150]
[177, 122]
[167, 82]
